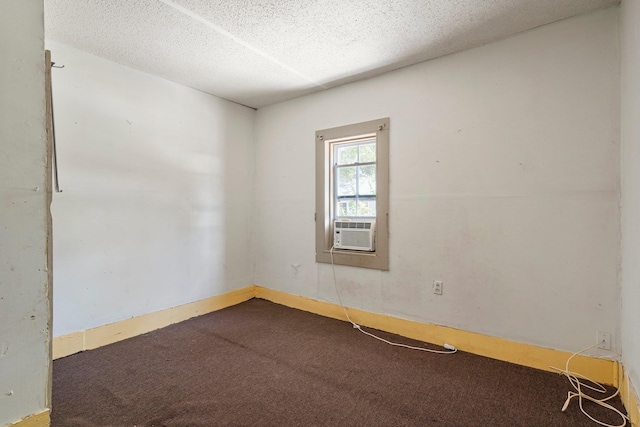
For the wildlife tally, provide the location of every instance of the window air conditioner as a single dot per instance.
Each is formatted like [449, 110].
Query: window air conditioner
[354, 235]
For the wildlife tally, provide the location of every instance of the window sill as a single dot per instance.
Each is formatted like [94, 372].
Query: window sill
[360, 259]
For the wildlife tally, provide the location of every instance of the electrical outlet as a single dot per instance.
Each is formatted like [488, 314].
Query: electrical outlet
[604, 340]
[437, 287]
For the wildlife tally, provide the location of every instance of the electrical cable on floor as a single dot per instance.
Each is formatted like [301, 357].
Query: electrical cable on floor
[579, 382]
[449, 348]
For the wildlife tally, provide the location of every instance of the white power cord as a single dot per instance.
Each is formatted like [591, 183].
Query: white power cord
[578, 383]
[449, 348]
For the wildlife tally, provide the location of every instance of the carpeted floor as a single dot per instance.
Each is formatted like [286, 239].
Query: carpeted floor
[262, 364]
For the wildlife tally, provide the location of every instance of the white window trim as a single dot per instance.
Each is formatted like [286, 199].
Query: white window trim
[324, 222]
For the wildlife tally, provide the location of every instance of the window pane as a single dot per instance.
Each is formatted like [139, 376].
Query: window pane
[347, 208]
[367, 153]
[346, 181]
[347, 155]
[367, 207]
[355, 185]
[367, 180]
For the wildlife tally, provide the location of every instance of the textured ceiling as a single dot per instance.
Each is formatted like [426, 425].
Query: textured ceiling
[259, 52]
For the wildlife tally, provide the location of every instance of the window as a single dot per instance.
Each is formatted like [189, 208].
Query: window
[354, 169]
[352, 186]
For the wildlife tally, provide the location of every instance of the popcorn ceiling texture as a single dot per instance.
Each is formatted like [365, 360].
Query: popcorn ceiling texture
[258, 53]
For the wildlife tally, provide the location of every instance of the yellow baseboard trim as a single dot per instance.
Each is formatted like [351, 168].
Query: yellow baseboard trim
[629, 397]
[75, 342]
[41, 419]
[601, 370]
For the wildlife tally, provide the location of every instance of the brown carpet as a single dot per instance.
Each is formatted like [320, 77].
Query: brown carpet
[262, 364]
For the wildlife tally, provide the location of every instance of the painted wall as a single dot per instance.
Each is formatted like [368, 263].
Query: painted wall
[630, 137]
[504, 165]
[24, 304]
[156, 183]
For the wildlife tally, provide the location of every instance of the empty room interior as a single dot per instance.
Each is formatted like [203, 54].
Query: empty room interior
[457, 176]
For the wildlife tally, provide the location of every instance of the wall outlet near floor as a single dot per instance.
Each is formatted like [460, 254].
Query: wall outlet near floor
[437, 287]
[604, 340]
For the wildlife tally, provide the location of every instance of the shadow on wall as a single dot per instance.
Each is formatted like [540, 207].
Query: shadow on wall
[153, 175]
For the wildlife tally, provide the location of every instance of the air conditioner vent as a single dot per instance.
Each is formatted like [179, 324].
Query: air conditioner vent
[354, 235]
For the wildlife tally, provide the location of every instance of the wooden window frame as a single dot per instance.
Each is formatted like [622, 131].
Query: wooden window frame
[379, 259]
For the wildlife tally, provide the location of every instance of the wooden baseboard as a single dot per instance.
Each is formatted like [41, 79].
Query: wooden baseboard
[75, 342]
[629, 397]
[41, 419]
[601, 370]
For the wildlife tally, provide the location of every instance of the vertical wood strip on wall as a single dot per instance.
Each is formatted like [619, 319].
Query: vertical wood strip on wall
[49, 198]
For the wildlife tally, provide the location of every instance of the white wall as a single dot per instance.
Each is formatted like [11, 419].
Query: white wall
[630, 137]
[24, 306]
[504, 184]
[157, 185]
